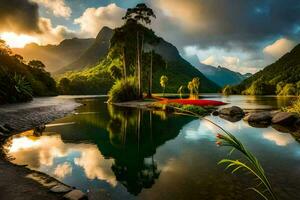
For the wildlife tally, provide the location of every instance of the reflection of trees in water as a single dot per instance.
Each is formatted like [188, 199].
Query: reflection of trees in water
[132, 169]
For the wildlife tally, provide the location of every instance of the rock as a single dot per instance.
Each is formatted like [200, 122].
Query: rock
[259, 118]
[230, 118]
[297, 124]
[3, 129]
[75, 195]
[39, 130]
[60, 188]
[283, 129]
[215, 113]
[8, 127]
[234, 110]
[284, 118]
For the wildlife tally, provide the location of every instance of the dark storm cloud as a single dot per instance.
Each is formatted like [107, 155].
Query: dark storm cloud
[19, 16]
[229, 23]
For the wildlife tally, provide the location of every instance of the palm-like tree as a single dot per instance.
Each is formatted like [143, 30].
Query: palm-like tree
[163, 83]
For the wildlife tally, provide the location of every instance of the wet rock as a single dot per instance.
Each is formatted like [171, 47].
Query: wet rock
[215, 113]
[259, 118]
[297, 124]
[8, 127]
[3, 129]
[283, 129]
[234, 110]
[60, 188]
[258, 125]
[230, 118]
[39, 130]
[75, 195]
[284, 118]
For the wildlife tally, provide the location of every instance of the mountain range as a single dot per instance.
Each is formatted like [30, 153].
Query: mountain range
[221, 75]
[281, 77]
[97, 62]
[55, 56]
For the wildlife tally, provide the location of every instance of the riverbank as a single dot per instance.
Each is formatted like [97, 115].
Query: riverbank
[19, 182]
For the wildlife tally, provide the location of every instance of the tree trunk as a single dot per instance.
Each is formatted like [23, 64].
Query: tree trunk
[138, 65]
[150, 76]
[124, 64]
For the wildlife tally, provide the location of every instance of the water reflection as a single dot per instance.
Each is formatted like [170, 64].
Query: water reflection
[116, 146]
[150, 155]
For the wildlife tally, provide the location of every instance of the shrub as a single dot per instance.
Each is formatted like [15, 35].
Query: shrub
[124, 90]
[295, 107]
[288, 89]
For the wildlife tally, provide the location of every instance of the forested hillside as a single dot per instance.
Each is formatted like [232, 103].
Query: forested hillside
[56, 56]
[281, 78]
[123, 45]
[20, 81]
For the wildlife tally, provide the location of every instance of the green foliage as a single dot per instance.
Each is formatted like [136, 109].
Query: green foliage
[195, 109]
[19, 81]
[163, 82]
[141, 12]
[284, 71]
[288, 89]
[180, 91]
[295, 107]
[252, 165]
[124, 90]
[259, 87]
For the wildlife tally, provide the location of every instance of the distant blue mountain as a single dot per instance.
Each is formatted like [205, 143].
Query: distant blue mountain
[221, 75]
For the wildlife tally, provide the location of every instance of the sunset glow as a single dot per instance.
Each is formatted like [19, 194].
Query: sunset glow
[17, 41]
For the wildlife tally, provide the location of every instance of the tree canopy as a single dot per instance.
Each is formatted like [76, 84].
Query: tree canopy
[141, 12]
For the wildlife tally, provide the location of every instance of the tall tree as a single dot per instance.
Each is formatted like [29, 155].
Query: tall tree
[141, 12]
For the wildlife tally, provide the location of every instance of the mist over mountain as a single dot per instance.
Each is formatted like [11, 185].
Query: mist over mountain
[55, 56]
[92, 55]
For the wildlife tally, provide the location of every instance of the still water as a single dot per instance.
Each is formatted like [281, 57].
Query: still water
[136, 154]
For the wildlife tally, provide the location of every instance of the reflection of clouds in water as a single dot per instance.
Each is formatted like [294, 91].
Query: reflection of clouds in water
[278, 138]
[95, 165]
[41, 151]
[63, 170]
[199, 129]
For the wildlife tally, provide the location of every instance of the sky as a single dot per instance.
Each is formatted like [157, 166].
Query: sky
[243, 36]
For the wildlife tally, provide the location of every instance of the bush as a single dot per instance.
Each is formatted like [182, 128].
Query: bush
[295, 107]
[288, 89]
[124, 90]
[195, 109]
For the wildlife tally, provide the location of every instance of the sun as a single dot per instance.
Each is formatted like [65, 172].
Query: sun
[14, 40]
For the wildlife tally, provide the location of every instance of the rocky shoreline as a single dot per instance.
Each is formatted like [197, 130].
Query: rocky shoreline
[19, 182]
[282, 121]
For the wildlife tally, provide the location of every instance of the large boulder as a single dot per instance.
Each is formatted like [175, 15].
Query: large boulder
[232, 111]
[259, 118]
[285, 118]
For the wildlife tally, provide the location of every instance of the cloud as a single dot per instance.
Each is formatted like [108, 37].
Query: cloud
[231, 60]
[51, 34]
[63, 170]
[93, 19]
[278, 139]
[279, 47]
[211, 60]
[235, 59]
[57, 7]
[19, 16]
[224, 23]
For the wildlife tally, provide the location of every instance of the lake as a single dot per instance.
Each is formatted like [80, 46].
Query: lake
[138, 154]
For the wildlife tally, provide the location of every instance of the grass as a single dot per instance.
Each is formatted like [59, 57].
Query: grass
[173, 107]
[252, 165]
[124, 90]
[295, 107]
